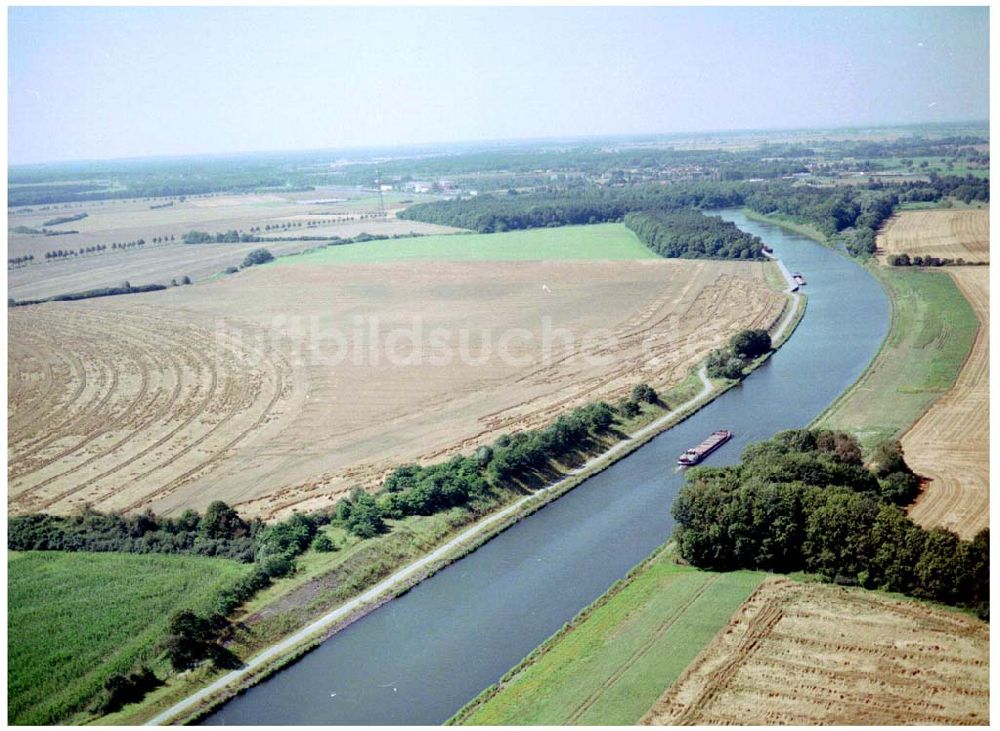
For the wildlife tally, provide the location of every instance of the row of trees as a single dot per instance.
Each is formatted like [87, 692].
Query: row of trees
[905, 260]
[66, 253]
[124, 288]
[690, 234]
[805, 501]
[19, 260]
[232, 236]
[471, 480]
[65, 219]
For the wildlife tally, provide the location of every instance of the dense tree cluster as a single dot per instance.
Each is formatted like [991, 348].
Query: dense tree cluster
[562, 207]
[219, 532]
[216, 534]
[804, 501]
[690, 234]
[855, 213]
[743, 347]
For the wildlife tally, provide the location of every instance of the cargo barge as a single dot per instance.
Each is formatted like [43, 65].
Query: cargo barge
[697, 454]
[799, 279]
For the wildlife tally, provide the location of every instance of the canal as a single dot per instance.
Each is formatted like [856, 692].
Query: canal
[419, 658]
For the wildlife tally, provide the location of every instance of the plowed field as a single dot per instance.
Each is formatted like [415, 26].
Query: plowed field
[285, 386]
[950, 444]
[809, 654]
[943, 233]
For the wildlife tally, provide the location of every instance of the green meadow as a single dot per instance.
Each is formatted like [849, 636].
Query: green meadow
[599, 241]
[933, 328]
[614, 661]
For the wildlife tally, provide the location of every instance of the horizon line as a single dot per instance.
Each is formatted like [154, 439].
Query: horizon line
[484, 142]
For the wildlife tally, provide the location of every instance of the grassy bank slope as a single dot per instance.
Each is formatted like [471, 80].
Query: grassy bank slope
[933, 328]
[599, 241]
[611, 663]
[76, 618]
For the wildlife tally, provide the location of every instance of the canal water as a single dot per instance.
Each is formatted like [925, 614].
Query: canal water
[419, 658]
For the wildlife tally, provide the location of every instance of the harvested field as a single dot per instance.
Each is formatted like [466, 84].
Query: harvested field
[112, 405]
[950, 444]
[109, 222]
[942, 233]
[284, 386]
[809, 654]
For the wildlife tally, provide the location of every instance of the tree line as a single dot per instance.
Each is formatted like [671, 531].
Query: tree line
[472, 480]
[805, 501]
[573, 205]
[690, 234]
[124, 288]
[65, 219]
[851, 214]
[905, 260]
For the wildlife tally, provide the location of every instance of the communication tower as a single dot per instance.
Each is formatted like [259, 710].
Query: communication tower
[378, 187]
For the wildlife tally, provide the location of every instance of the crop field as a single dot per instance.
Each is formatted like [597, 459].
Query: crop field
[611, 666]
[76, 618]
[110, 405]
[606, 241]
[926, 348]
[811, 654]
[950, 444]
[942, 233]
[110, 222]
[284, 386]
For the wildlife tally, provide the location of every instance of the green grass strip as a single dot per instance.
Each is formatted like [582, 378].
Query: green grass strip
[597, 242]
[932, 331]
[611, 664]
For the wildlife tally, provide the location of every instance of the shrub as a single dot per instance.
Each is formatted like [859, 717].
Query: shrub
[324, 544]
[629, 408]
[257, 256]
[645, 392]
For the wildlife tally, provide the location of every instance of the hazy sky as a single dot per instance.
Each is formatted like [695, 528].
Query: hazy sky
[115, 82]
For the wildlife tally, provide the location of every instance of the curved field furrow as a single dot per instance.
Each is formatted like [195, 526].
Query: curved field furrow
[949, 445]
[29, 395]
[160, 443]
[161, 400]
[140, 364]
[38, 429]
[239, 390]
[813, 654]
[33, 457]
[220, 453]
